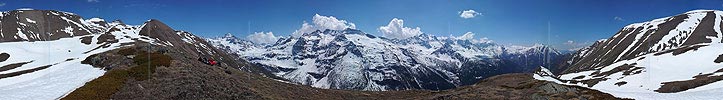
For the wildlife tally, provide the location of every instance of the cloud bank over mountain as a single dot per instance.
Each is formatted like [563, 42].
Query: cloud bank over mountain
[396, 29]
[322, 23]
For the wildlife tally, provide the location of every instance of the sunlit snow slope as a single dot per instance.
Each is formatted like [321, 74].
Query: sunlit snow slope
[39, 67]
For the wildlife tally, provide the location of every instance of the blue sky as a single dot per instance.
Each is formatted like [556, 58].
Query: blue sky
[517, 22]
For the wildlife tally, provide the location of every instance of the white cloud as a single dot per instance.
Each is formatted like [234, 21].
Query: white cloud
[262, 37]
[93, 1]
[466, 36]
[2, 4]
[482, 40]
[469, 14]
[618, 18]
[322, 23]
[569, 42]
[396, 29]
[470, 37]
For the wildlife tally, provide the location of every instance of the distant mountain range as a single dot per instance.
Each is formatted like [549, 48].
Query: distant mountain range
[352, 59]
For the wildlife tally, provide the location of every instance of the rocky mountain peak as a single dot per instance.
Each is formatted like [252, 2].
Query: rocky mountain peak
[41, 25]
[229, 35]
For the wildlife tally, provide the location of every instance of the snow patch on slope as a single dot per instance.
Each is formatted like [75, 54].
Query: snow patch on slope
[65, 74]
[642, 85]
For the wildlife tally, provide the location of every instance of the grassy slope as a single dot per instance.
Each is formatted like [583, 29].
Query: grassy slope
[112, 81]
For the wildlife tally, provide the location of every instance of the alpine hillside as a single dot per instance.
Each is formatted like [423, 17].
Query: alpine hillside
[676, 57]
[47, 54]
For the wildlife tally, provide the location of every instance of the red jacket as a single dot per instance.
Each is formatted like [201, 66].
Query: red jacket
[212, 62]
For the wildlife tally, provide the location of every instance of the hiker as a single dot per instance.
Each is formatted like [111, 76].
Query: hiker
[208, 61]
[212, 62]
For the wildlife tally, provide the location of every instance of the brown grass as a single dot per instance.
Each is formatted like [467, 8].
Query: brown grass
[125, 52]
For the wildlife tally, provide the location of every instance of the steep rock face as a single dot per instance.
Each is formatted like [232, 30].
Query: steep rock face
[677, 54]
[41, 25]
[352, 59]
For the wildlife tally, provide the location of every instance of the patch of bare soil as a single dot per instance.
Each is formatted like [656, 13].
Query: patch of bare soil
[681, 50]
[699, 80]
[627, 69]
[4, 56]
[86, 40]
[12, 66]
[23, 72]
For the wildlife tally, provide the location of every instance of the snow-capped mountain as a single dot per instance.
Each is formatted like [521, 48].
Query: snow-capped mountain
[529, 58]
[233, 44]
[352, 59]
[675, 57]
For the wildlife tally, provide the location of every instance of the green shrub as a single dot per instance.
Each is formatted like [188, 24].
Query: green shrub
[101, 88]
[143, 62]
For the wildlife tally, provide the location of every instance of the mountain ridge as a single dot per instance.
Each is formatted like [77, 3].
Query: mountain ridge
[419, 53]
